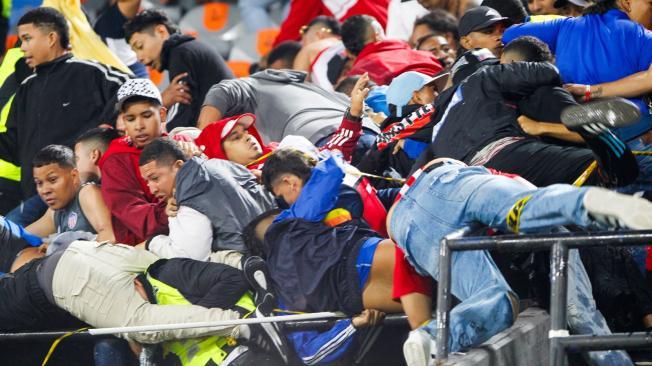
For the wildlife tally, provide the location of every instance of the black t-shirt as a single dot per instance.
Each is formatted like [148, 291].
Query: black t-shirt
[110, 27]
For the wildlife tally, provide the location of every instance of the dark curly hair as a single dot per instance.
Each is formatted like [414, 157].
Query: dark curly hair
[531, 49]
[50, 19]
[600, 7]
[286, 161]
[440, 21]
[146, 20]
[356, 32]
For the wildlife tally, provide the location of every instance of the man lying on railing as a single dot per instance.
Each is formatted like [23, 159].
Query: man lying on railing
[446, 195]
[322, 256]
[94, 282]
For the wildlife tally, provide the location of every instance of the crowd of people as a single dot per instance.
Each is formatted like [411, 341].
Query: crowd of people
[326, 179]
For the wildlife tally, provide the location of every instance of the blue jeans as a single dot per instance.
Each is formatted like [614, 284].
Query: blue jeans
[28, 211]
[113, 352]
[454, 196]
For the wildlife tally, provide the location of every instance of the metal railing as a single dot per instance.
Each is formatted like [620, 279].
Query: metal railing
[559, 244]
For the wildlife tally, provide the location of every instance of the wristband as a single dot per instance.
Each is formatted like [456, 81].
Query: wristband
[347, 115]
[587, 93]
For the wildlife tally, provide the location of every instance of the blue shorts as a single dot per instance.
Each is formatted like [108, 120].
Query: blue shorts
[365, 258]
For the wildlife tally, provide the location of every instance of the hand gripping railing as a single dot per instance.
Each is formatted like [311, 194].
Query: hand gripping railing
[559, 244]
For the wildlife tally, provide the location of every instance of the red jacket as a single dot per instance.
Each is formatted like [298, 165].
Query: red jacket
[388, 59]
[136, 214]
[303, 11]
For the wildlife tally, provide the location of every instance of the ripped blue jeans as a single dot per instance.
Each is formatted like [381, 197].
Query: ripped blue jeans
[453, 196]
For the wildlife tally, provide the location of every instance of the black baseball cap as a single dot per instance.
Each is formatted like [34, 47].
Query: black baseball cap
[479, 18]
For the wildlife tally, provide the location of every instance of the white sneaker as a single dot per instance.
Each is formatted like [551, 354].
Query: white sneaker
[418, 347]
[618, 210]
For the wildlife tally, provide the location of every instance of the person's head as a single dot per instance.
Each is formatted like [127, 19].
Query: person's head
[55, 175]
[283, 55]
[542, 7]
[439, 22]
[360, 30]
[233, 138]
[413, 88]
[253, 234]
[513, 9]
[159, 164]
[319, 28]
[285, 172]
[483, 27]
[528, 49]
[146, 33]
[439, 47]
[89, 148]
[639, 11]
[470, 62]
[44, 35]
[141, 109]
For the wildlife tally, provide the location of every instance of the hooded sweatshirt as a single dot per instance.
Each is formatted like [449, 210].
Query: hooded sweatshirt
[385, 60]
[135, 213]
[205, 68]
[217, 199]
[283, 104]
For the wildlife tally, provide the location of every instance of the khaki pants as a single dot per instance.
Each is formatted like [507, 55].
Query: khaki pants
[94, 282]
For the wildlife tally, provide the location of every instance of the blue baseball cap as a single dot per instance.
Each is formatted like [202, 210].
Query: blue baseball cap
[401, 88]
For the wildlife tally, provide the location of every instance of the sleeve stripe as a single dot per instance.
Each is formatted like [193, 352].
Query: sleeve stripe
[327, 348]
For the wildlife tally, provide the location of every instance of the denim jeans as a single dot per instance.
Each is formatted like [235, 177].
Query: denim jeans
[454, 196]
[113, 352]
[28, 211]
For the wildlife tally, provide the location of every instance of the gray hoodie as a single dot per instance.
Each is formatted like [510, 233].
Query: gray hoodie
[225, 192]
[283, 104]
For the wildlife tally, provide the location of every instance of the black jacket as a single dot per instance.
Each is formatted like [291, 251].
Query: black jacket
[211, 285]
[62, 99]
[205, 68]
[489, 106]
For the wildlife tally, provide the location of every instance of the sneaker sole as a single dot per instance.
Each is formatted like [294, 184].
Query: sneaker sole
[632, 212]
[595, 116]
[414, 354]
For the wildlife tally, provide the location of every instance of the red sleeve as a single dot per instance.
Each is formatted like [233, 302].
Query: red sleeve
[127, 201]
[301, 13]
[345, 138]
[406, 278]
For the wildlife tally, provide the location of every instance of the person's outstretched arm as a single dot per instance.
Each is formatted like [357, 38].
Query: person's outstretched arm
[347, 135]
[227, 98]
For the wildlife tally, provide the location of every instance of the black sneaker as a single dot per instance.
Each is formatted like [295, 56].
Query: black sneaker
[601, 115]
[255, 271]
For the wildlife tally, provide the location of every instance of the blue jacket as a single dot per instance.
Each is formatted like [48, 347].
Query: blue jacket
[594, 49]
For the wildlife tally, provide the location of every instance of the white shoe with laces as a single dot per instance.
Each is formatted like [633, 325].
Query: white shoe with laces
[418, 348]
[618, 210]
